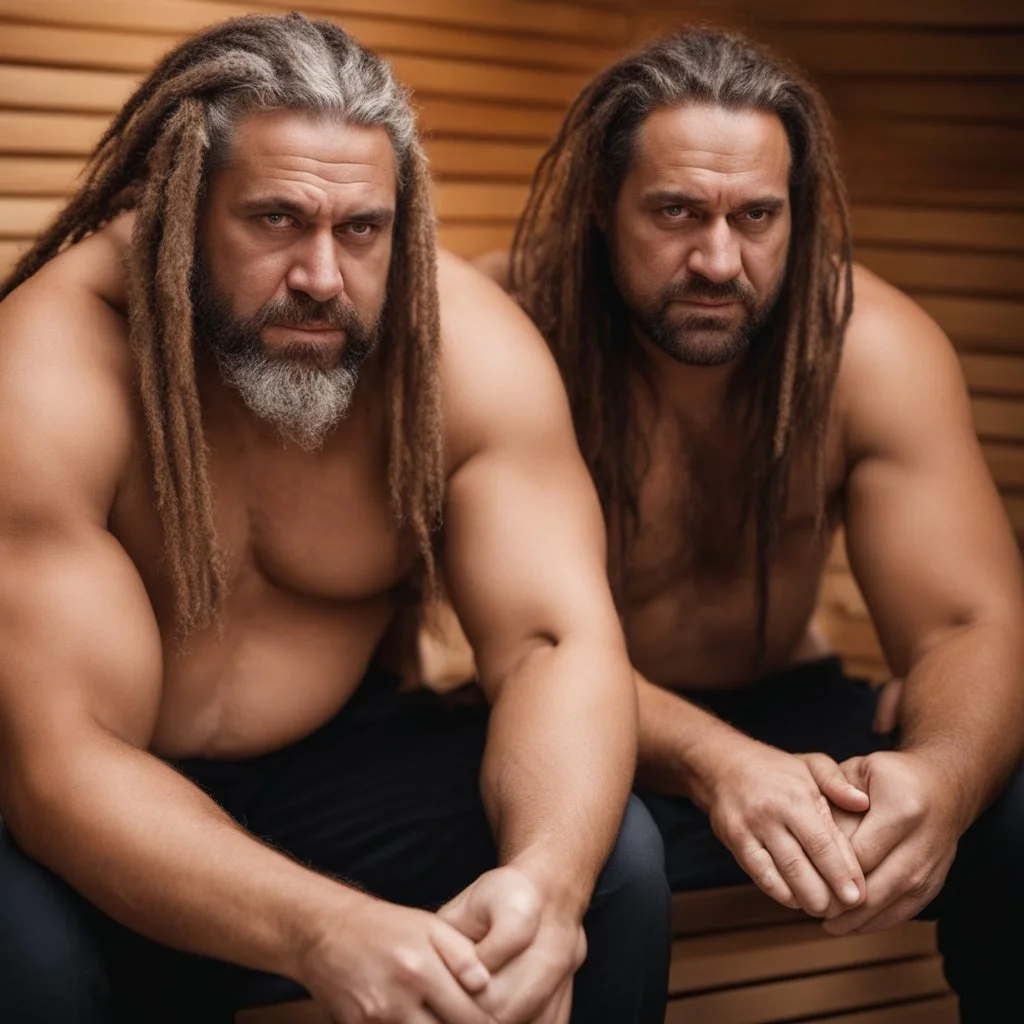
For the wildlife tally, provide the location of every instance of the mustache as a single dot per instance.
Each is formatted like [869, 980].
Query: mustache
[301, 309]
[699, 288]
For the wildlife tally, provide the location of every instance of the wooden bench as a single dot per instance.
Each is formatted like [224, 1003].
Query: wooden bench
[740, 958]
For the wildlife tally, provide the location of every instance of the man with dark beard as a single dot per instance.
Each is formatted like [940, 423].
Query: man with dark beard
[224, 461]
[739, 390]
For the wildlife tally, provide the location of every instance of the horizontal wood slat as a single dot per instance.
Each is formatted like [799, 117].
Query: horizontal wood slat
[758, 954]
[1001, 231]
[965, 273]
[827, 993]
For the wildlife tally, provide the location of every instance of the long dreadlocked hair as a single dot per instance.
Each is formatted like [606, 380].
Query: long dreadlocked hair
[561, 274]
[156, 158]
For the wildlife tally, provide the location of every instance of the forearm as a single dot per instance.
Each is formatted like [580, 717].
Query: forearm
[155, 853]
[963, 709]
[559, 764]
[681, 746]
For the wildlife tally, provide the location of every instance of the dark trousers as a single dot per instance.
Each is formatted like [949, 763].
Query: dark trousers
[385, 796]
[816, 707]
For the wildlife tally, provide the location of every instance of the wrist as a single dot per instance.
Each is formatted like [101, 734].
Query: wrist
[949, 785]
[708, 763]
[565, 888]
[317, 930]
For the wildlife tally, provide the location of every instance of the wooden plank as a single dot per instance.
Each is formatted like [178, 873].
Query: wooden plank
[942, 1010]
[471, 159]
[175, 20]
[465, 200]
[727, 907]
[961, 229]
[852, 96]
[10, 253]
[468, 240]
[937, 13]
[956, 272]
[38, 176]
[81, 48]
[559, 20]
[1006, 461]
[455, 118]
[60, 89]
[900, 158]
[304, 1012]
[854, 637]
[50, 134]
[898, 50]
[996, 323]
[760, 954]
[25, 217]
[994, 374]
[828, 993]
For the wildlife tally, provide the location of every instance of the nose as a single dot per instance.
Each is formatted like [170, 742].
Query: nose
[716, 254]
[315, 269]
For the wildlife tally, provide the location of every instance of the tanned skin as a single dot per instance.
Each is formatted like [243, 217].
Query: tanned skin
[866, 844]
[95, 688]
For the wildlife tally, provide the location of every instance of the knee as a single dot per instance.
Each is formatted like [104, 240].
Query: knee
[51, 970]
[634, 873]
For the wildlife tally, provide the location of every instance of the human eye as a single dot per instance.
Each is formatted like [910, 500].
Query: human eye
[759, 216]
[360, 229]
[276, 220]
[674, 211]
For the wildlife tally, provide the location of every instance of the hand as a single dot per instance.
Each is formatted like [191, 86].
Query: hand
[905, 842]
[531, 947]
[385, 963]
[772, 810]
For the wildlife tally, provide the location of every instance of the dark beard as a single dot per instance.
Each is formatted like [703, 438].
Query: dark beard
[301, 390]
[701, 339]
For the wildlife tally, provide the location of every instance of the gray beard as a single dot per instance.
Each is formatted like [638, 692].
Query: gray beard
[303, 402]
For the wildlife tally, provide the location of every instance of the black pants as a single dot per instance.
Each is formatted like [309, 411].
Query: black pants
[816, 707]
[386, 796]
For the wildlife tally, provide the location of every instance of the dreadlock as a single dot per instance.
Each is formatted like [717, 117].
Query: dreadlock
[561, 274]
[156, 158]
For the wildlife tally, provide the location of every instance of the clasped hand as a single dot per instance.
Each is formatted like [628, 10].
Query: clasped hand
[499, 953]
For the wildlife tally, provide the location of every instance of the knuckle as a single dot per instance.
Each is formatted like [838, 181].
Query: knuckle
[410, 965]
[818, 843]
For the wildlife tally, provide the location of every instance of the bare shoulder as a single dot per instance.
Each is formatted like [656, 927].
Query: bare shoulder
[497, 372]
[899, 369]
[495, 265]
[66, 384]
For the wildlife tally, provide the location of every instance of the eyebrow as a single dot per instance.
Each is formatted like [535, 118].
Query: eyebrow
[667, 197]
[381, 216]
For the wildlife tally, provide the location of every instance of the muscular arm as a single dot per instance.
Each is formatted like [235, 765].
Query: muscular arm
[931, 547]
[80, 673]
[80, 692]
[524, 561]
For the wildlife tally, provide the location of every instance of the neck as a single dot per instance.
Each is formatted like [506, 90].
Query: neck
[693, 394]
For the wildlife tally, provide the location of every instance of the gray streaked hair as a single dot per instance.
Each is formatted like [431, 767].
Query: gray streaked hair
[155, 159]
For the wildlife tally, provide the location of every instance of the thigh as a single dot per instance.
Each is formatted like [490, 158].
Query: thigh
[386, 796]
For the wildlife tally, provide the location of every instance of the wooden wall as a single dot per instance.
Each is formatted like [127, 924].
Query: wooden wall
[491, 78]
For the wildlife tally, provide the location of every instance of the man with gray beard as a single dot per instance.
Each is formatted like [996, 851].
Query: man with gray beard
[224, 467]
[303, 391]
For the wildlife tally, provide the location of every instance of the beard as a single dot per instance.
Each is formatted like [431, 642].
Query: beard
[301, 390]
[704, 339]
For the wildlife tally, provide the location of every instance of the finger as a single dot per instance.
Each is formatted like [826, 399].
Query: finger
[446, 998]
[810, 889]
[469, 916]
[887, 709]
[832, 857]
[758, 863]
[876, 837]
[460, 957]
[514, 924]
[834, 784]
[897, 891]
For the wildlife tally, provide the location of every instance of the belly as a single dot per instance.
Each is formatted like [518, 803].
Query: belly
[281, 667]
[704, 636]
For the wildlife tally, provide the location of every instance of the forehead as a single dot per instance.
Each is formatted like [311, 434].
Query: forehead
[709, 148]
[310, 155]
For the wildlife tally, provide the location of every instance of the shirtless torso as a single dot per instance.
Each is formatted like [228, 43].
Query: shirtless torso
[315, 563]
